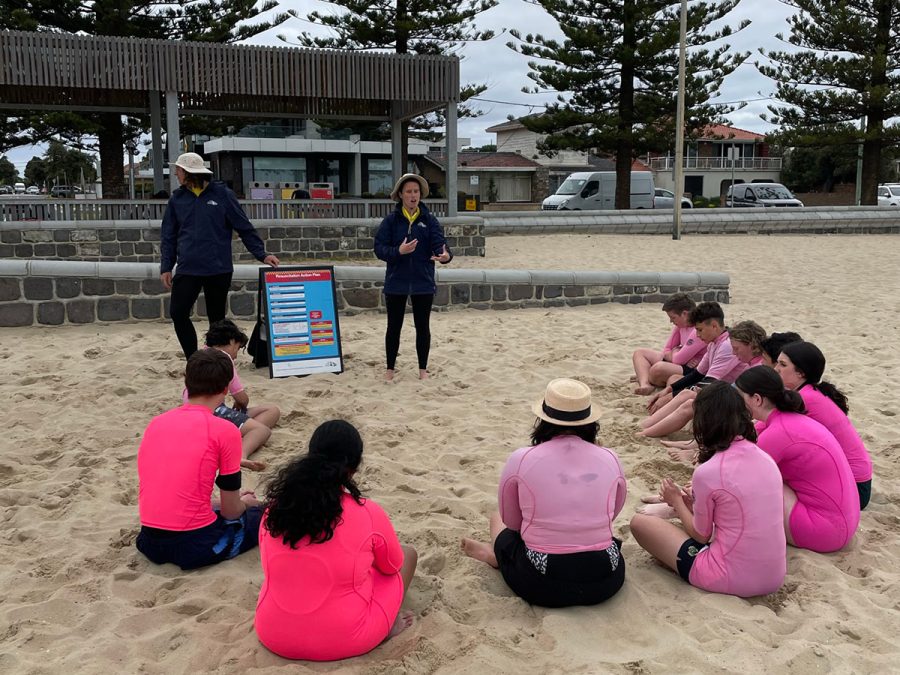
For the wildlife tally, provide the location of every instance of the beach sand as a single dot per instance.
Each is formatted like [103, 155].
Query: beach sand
[79, 598]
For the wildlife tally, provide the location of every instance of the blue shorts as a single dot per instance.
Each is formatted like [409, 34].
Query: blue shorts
[218, 541]
[233, 415]
[686, 554]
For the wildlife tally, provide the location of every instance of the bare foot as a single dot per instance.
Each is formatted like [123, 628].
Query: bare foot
[479, 550]
[403, 621]
[652, 499]
[680, 444]
[640, 434]
[683, 454]
[645, 390]
[423, 375]
[389, 375]
[663, 511]
[253, 465]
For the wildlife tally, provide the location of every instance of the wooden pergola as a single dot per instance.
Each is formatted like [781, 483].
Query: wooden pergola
[56, 71]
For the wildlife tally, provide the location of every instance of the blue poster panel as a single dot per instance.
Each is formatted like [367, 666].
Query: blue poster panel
[301, 320]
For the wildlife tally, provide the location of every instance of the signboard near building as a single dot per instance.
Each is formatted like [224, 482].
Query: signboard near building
[321, 190]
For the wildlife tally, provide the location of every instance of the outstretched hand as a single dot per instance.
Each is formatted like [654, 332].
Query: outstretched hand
[408, 246]
[271, 260]
[443, 257]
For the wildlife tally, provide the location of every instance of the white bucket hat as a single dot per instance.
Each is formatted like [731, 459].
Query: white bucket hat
[423, 185]
[192, 163]
[567, 403]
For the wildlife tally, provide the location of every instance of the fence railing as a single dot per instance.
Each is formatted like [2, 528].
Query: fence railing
[153, 209]
[718, 163]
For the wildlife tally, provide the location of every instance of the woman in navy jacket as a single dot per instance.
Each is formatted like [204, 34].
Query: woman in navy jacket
[410, 240]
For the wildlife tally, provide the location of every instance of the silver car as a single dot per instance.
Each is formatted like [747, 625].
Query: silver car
[665, 199]
[889, 195]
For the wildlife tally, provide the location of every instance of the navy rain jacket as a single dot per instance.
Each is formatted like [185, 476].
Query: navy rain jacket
[196, 231]
[413, 273]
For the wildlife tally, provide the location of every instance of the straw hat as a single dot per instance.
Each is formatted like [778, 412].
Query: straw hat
[567, 403]
[423, 185]
[192, 163]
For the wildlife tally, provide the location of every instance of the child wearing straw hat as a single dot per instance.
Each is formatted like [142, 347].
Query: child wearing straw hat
[552, 539]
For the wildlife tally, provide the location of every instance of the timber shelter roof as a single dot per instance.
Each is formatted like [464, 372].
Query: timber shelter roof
[60, 71]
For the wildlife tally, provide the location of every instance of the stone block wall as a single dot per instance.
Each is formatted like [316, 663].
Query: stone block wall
[62, 292]
[138, 241]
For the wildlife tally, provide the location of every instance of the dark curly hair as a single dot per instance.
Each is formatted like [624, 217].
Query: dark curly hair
[304, 498]
[544, 431]
[719, 417]
[221, 333]
[773, 344]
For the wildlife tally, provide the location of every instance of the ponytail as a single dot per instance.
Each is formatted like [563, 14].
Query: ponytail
[835, 394]
[789, 401]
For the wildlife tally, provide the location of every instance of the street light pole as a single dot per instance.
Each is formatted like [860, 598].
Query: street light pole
[679, 125]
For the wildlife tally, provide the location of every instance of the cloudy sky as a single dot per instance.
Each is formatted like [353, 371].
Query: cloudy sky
[505, 72]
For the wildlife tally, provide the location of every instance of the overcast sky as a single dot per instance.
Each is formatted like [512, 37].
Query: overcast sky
[505, 72]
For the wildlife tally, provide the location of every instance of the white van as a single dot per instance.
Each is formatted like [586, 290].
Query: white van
[19, 188]
[595, 190]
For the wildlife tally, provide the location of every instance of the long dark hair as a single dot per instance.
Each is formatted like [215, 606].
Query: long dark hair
[809, 360]
[304, 498]
[544, 431]
[719, 417]
[767, 383]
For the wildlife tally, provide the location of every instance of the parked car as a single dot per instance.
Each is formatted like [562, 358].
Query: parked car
[760, 195]
[32, 190]
[595, 190]
[20, 188]
[889, 194]
[665, 199]
[6, 189]
[62, 191]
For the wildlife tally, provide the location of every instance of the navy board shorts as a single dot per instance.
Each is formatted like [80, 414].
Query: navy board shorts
[865, 493]
[559, 579]
[220, 540]
[686, 555]
[233, 415]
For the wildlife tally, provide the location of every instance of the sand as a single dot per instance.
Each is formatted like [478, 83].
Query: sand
[78, 597]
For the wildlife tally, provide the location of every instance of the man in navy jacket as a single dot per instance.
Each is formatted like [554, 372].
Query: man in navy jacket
[196, 235]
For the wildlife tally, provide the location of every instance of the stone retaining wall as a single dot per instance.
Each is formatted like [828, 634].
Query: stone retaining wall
[820, 220]
[48, 292]
[138, 240]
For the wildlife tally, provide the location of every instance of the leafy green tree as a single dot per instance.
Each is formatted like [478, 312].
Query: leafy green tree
[201, 20]
[847, 69]
[60, 166]
[405, 27]
[616, 75]
[36, 171]
[9, 175]
[818, 169]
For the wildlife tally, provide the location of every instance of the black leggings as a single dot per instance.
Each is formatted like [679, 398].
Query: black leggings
[185, 291]
[396, 307]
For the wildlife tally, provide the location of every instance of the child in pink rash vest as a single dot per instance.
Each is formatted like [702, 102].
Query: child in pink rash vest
[820, 498]
[733, 538]
[553, 538]
[801, 366]
[334, 571]
[682, 350]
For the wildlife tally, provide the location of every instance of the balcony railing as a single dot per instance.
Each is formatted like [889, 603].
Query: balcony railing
[718, 163]
[118, 209]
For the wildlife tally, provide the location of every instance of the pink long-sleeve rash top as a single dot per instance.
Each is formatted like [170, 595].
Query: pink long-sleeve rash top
[690, 348]
[563, 495]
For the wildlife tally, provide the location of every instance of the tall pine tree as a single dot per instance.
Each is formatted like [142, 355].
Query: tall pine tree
[405, 27]
[616, 75]
[201, 20]
[846, 70]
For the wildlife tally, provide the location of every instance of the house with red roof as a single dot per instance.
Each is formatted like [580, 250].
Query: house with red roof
[719, 156]
[491, 177]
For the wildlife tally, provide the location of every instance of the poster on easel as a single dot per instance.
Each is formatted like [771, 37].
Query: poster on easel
[299, 309]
